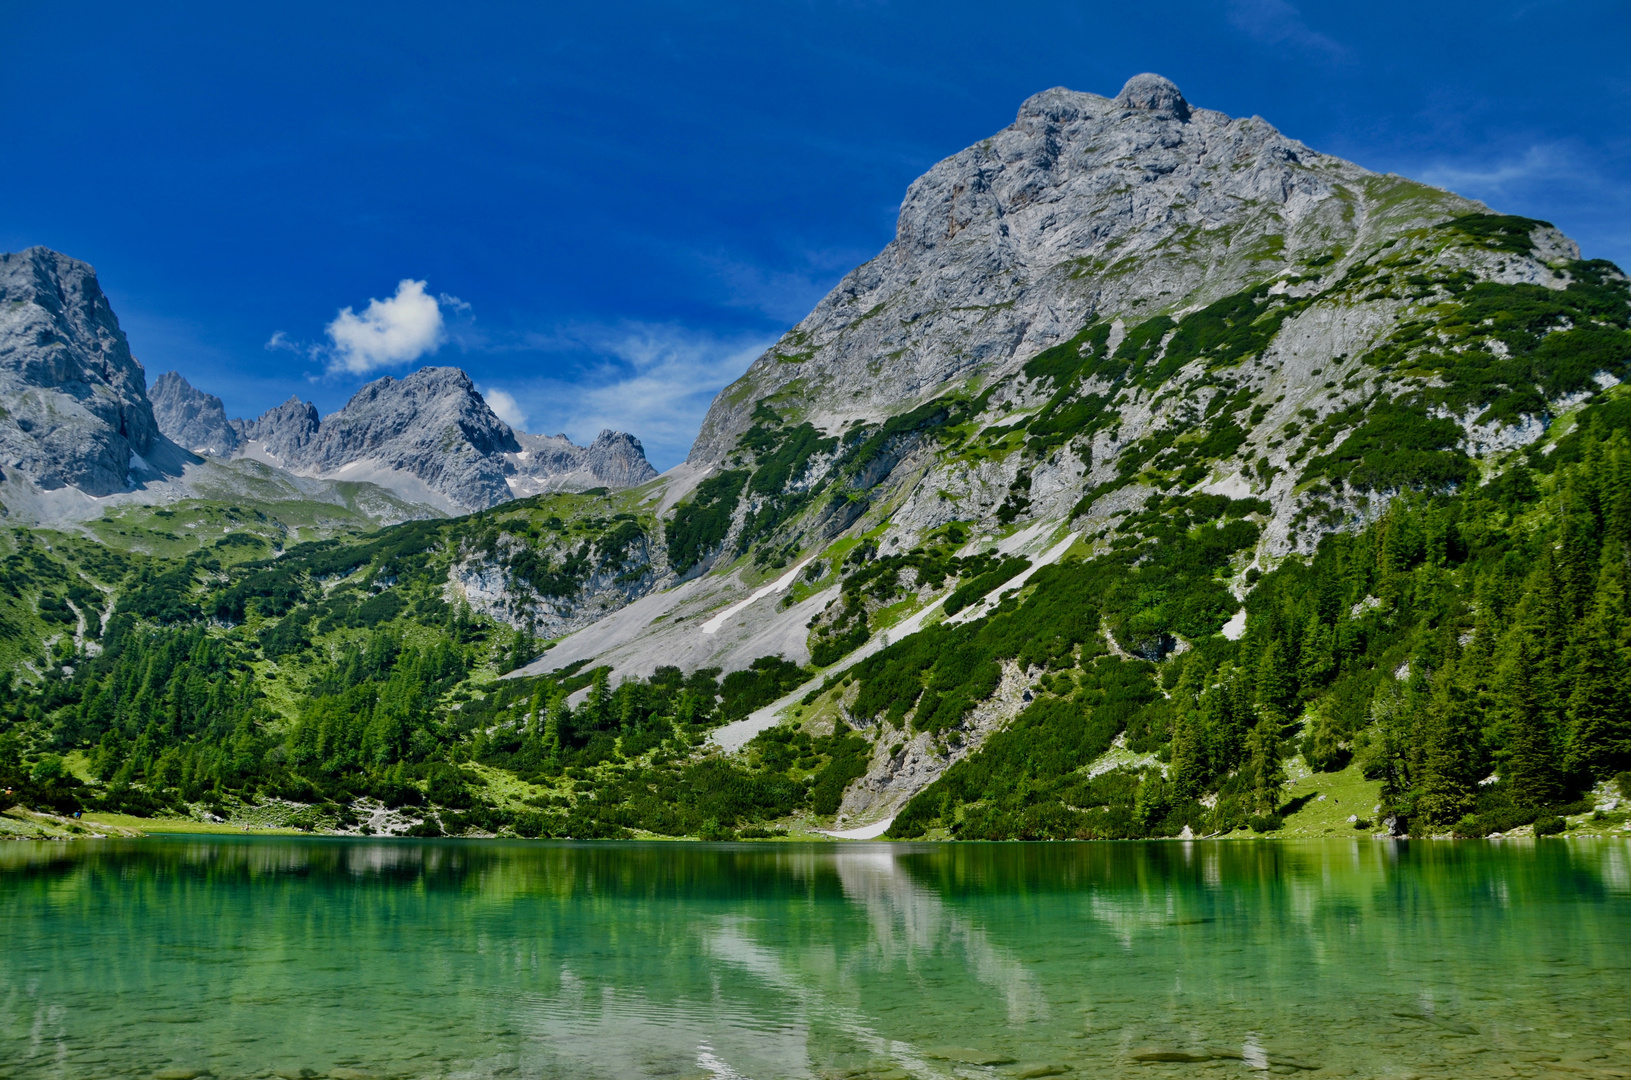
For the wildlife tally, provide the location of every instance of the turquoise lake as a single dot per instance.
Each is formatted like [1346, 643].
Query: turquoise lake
[320, 957]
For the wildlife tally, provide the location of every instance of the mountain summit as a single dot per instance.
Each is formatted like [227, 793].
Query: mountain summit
[76, 412]
[1085, 207]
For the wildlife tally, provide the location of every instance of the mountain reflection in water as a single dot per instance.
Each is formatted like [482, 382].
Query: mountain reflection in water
[263, 956]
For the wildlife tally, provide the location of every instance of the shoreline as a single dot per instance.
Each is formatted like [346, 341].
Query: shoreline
[100, 826]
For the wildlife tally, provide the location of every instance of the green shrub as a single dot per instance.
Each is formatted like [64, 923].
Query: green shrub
[1550, 825]
[970, 591]
[700, 524]
[850, 754]
[713, 830]
[431, 826]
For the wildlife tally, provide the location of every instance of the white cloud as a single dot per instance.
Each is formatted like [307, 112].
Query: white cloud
[397, 330]
[1278, 22]
[1494, 179]
[505, 407]
[654, 381]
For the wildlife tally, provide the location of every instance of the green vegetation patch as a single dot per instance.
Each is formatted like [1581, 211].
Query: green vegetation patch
[700, 524]
[1397, 447]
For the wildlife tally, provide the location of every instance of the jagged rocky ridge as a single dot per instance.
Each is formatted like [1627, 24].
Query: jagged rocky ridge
[77, 415]
[191, 418]
[76, 412]
[429, 436]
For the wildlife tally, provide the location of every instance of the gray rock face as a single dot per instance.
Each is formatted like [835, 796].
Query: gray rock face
[431, 426]
[191, 418]
[283, 432]
[433, 429]
[1084, 206]
[75, 408]
[554, 463]
[1154, 93]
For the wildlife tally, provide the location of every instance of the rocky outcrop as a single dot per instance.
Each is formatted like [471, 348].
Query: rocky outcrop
[281, 433]
[73, 400]
[1116, 207]
[191, 418]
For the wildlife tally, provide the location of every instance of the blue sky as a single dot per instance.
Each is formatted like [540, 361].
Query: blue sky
[614, 207]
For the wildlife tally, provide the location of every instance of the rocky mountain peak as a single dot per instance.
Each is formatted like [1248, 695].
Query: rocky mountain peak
[281, 433]
[1154, 93]
[1085, 207]
[76, 409]
[191, 418]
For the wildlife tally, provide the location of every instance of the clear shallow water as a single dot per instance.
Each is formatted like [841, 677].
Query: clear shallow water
[269, 956]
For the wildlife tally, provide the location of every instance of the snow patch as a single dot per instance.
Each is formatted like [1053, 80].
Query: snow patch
[865, 832]
[781, 584]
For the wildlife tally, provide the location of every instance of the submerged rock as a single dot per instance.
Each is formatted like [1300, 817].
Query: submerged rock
[968, 1056]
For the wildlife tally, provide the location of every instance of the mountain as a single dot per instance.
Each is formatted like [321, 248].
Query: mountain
[1161, 476]
[615, 459]
[429, 437]
[280, 433]
[1084, 208]
[76, 412]
[192, 418]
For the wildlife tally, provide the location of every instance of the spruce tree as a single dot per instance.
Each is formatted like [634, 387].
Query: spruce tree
[1189, 768]
[1317, 662]
[1263, 766]
[1322, 743]
[1188, 765]
[1276, 688]
[597, 707]
[1599, 713]
[1448, 761]
[1531, 770]
[556, 725]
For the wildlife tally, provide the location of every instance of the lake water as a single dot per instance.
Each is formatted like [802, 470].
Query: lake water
[289, 957]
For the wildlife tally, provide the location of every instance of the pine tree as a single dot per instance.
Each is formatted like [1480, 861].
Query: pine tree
[1599, 707]
[1531, 770]
[1189, 767]
[1276, 688]
[1448, 760]
[1188, 764]
[556, 724]
[1264, 769]
[1317, 662]
[1599, 712]
[597, 707]
[1322, 743]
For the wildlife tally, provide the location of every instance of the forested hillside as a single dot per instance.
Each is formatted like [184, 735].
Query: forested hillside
[1470, 632]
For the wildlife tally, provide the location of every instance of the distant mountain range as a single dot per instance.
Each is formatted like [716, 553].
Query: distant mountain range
[78, 414]
[429, 437]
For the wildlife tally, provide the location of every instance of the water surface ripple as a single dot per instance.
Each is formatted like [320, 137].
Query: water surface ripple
[171, 958]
